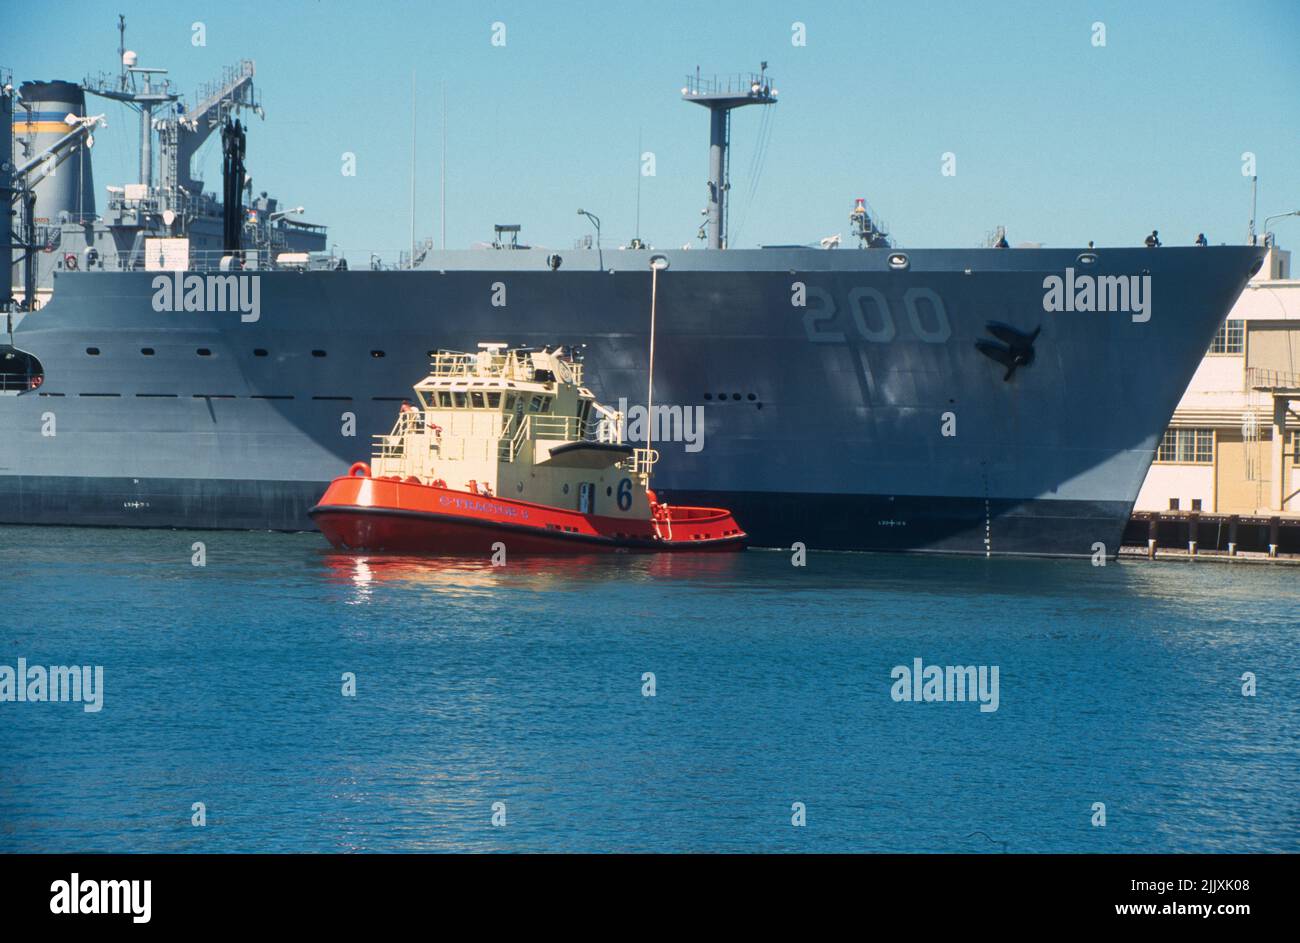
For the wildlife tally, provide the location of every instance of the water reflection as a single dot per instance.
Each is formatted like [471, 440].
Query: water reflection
[467, 576]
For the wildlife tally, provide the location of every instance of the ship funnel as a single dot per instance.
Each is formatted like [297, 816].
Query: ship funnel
[69, 192]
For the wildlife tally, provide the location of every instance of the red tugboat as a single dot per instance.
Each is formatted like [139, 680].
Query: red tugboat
[507, 445]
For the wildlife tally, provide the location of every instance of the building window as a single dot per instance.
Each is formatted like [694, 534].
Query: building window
[1231, 338]
[1187, 446]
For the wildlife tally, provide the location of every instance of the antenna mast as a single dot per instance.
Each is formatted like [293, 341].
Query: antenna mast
[444, 163]
[412, 263]
[1254, 193]
[720, 96]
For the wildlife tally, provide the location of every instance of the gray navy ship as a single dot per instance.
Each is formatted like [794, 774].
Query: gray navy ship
[175, 358]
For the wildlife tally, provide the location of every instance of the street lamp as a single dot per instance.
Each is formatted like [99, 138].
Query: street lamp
[1268, 219]
[596, 221]
[658, 263]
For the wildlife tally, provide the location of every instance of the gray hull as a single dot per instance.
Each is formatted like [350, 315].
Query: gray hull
[823, 423]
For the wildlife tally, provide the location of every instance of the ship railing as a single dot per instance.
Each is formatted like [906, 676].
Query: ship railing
[607, 425]
[1266, 378]
[544, 429]
[388, 456]
[511, 442]
[17, 382]
[564, 428]
[568, 372]
[642, 462]
[250, 261]
[390, 451]
[740, 83]
[456, 363]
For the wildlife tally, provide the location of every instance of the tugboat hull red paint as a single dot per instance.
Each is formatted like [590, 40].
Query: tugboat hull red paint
[382, 514]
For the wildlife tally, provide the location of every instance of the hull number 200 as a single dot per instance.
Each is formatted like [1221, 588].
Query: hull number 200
[872, 319]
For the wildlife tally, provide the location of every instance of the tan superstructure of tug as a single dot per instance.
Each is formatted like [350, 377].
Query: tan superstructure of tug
[509, 444]
[510, 423]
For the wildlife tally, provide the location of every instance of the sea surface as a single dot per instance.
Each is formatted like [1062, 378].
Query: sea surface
[507, 709]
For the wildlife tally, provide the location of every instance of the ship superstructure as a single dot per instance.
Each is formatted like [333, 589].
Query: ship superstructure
[504, 421]
[850, 398]
[166, 219]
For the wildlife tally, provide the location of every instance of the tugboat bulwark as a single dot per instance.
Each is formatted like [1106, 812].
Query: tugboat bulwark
[508, 446]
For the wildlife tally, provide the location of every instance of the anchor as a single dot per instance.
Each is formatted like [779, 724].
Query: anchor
[1016, 349]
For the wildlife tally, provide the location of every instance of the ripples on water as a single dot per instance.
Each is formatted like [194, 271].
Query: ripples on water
[523, 685]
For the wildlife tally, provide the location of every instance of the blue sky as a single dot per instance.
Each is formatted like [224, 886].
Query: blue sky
[1059, 140]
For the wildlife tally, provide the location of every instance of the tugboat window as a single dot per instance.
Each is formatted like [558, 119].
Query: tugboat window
[460, 400]
[494, 400]
[476, 399]
[444, 399]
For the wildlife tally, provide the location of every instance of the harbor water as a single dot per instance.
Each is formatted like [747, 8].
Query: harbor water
[639, 703]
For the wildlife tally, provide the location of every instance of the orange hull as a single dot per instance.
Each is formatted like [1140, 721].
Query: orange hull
[385, 514]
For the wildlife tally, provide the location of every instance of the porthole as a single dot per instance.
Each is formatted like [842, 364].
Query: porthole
[1087, 258]
[708, 396]
[147, 351]
[735, 396]
[519, 486]
[92, 351]
[318, 353]
[259, 352]
[203, 352]
[376, 354]
[566, 489]
[609, 491]
[898, 261]
[752, 397]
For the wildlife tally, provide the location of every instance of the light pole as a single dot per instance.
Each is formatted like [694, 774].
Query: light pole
[658, 263]
[1268, 219]
[596, 222]
[600, 256]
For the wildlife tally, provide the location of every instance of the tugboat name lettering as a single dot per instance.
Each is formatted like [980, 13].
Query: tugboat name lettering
[489, 507]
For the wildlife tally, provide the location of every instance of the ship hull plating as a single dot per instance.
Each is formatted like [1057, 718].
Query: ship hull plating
[822, 396]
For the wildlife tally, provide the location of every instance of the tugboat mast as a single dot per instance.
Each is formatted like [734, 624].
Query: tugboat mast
[720, 97]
